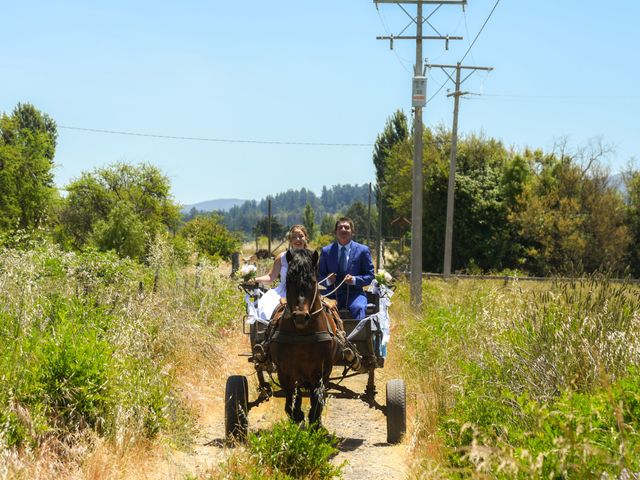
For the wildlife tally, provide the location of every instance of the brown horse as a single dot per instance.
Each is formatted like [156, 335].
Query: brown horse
[304, 345]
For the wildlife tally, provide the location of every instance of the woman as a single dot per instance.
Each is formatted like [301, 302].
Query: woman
[298, 239]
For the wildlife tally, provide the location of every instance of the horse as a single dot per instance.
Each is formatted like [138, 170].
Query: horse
[304, 344]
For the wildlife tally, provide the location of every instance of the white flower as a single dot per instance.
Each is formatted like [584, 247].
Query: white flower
[248, 271]
[383, 277]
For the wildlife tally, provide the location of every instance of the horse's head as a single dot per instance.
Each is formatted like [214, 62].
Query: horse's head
[302, 286]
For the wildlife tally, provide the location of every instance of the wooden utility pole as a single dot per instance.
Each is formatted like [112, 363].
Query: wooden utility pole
[269, 226]
[448, 236]
[418, 102]
[418, 182]
[369, 218]
[379, 243]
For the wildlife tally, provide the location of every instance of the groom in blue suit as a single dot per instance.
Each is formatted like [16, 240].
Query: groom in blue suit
[348, 264]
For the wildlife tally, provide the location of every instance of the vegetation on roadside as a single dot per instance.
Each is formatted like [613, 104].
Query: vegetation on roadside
[522, 381]
[285, 451]
[89, 350]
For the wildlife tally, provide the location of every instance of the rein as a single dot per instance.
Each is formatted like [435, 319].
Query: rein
[335, 289]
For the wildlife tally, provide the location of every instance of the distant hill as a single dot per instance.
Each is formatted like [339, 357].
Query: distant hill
[221, 204]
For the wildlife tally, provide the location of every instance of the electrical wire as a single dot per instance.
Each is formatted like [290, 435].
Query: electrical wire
[481, 29]
[217, 140]
[437, 92]
[401, 61]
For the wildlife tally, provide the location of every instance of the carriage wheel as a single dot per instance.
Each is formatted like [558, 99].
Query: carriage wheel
[396, 410]
[236, 410]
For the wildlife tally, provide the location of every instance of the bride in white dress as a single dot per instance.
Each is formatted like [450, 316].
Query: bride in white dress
[298, 239]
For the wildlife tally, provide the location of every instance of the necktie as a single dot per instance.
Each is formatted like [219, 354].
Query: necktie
[342, 261]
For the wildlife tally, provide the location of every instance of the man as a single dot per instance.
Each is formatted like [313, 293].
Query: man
[348, 264]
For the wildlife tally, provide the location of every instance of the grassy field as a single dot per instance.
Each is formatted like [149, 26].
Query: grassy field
[524, 380]
[506, 380]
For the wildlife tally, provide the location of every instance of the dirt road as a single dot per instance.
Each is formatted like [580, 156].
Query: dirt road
[361, 430]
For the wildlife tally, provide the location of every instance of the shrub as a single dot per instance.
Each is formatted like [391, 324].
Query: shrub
[289, 451]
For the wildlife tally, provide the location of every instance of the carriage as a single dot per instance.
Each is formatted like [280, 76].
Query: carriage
[365, 335]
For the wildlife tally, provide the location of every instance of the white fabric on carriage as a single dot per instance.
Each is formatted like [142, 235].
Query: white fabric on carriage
[268, 302]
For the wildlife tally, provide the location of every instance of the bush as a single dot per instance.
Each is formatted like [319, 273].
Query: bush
[288, 451]
[211, 237]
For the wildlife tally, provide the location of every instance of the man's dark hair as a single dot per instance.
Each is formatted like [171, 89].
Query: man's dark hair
[344, 219]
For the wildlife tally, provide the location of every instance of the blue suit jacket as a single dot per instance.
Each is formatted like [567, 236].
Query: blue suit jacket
[360, 266]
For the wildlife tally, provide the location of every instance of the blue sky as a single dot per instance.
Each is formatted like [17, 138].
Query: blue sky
[308, 71]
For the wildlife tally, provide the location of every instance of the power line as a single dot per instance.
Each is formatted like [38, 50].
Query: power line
[481, 29]
[217, 140]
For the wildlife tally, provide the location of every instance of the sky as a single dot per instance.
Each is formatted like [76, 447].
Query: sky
[289, 73]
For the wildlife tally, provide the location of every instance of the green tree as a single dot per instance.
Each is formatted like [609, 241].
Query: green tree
[122, 231]
[632, 184]
[481, 234]
[328, 224]
[569, 218]
[358, 213]
[210, 236]
[396, 131]
[141, 193]
[308, 220]
[262, 227]
[27, 147]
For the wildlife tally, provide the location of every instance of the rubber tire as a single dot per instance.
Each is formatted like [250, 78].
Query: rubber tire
[396, 410]
[236, 411]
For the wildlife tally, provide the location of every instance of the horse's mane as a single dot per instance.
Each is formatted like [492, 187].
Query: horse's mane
[301, 273]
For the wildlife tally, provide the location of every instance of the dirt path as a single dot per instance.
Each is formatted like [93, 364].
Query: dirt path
[362, 430]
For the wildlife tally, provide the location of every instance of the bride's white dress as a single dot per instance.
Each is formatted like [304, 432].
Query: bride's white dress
[269, 301]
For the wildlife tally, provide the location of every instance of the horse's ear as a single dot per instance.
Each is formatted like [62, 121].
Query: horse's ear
[289, 256]
[315, 257]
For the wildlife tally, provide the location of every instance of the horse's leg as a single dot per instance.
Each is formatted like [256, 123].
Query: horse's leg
[317, 403]
[298, 416]
[291, 398]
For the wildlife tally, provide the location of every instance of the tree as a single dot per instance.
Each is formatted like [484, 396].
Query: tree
[358, 213]
[632, 184]
[262, 227]
[569, 218]
[141, 193]
[328, 224]
[27, 147]
[308, 220]
[481, 234]
[396, 131]
[210, 236]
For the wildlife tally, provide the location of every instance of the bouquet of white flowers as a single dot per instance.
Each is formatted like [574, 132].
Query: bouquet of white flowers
[383, 277]
[248, 272]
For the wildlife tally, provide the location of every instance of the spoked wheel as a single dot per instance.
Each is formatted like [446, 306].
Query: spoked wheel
[396, 410]
[236, 411]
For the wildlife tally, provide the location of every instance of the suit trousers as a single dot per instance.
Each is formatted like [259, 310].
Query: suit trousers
[356, 302]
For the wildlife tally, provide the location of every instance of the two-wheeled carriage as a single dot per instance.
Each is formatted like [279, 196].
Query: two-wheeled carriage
[365, 335]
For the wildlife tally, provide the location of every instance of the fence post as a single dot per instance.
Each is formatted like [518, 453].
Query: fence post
[235, 263]
[198, 274]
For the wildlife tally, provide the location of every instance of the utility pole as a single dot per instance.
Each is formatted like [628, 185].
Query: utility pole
[269, 225]
[418, 102]
[369, 218]
[379, 243]
[448, 236]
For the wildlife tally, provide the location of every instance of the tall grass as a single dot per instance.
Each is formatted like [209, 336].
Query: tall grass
[527, 382]
[88, 349]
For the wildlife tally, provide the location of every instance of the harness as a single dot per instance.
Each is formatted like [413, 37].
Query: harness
[280, 336]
